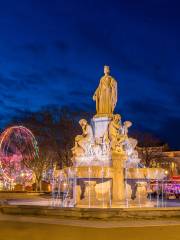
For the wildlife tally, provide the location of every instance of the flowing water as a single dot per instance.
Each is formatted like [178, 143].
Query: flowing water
[148, 192]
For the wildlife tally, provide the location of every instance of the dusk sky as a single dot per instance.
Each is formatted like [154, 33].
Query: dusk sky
[53, 53]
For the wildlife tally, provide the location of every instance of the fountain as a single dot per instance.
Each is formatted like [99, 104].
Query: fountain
[106, 169]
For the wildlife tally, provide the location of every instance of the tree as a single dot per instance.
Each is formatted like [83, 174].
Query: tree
[39, 165]
[150, 149]
[55, 130]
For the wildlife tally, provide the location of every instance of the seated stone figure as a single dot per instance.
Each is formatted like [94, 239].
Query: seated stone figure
[116, 136]
[129, 147]
[130, 143]
[83, 142]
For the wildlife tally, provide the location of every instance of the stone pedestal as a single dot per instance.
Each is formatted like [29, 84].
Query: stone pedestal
[90, 195]
[142, 191]
[118, 177]
[77, 194]
[100, 126]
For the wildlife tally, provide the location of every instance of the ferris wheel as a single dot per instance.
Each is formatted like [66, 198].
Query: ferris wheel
[16, 144]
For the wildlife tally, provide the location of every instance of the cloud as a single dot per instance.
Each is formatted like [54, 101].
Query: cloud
[67, 75]
[7, 83]
[34, 48]
[157, 118]
[31, 78]
[147, 107]
[61, 46]
[147, 114]
[170, 131]
[80, 93]
[57, 95]
[140, 42]
[13, 84]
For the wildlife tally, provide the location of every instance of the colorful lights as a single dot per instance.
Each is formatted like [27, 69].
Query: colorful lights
[16, 144]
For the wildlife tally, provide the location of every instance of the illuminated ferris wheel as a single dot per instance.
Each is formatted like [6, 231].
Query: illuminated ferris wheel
[16, 144]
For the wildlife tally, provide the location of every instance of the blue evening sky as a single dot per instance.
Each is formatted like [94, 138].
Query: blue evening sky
[52, 52]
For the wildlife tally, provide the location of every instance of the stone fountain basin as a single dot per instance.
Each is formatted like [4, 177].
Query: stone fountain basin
[146, 173]
[94, 172]
[108, 172]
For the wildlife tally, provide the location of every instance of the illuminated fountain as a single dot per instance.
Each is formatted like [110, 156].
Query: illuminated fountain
[106, 168]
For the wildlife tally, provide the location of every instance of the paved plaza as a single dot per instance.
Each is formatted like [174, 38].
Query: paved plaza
[21, 228]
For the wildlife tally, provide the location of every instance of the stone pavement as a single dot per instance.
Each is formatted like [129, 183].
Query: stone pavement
[90, 223]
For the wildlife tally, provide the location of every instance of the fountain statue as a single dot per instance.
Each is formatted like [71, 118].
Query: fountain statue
[116, 136]
[106, 94]
[105, 160]
[102, 150]
[83, 142]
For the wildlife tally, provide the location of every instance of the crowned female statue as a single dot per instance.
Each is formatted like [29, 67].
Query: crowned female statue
[106, 95]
